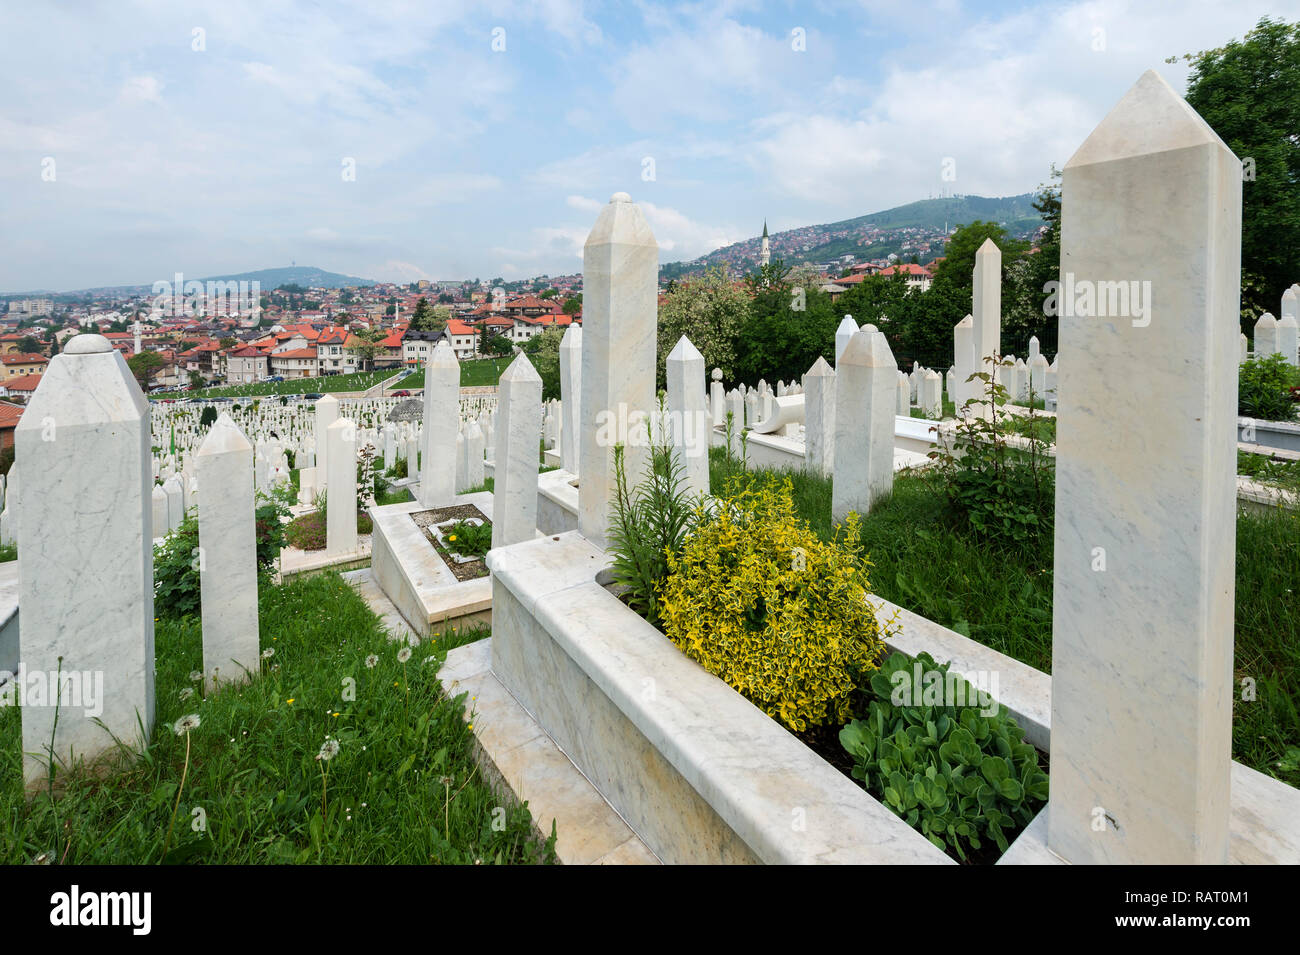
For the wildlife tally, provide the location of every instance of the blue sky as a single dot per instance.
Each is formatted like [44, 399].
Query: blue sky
[474, 161]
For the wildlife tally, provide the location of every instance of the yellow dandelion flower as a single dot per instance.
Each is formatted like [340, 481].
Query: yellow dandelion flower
[291, 699]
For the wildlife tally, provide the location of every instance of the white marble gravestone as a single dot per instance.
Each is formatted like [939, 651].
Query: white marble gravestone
[986, 307]
[341, 490]
[1142, 638]
[1265, 335]
[570, 397]
[819, 418]
[963, 362]
[689, 415]
[514, 492]
[620, 270]
[864, 424]
[85, 540]
[845, 331]
[441, 424]
[228, 546]
[327, 412]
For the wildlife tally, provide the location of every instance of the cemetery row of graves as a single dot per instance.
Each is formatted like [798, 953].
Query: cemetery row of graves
[1021, 612]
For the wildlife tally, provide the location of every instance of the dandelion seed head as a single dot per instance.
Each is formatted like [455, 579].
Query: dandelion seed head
[186, 723]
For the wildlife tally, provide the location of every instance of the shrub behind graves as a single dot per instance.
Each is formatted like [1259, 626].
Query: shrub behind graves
[778, 614]
[928, 751]
[1263, 389]
[176, 561]
[647, 525]
[1006, 494]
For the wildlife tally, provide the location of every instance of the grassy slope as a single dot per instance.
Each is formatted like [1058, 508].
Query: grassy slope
[1003, 599]
[403, 788]
[298, 386]
[480, 371]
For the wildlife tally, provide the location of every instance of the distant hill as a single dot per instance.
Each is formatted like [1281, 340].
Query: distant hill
[305, 275]
[916, 228]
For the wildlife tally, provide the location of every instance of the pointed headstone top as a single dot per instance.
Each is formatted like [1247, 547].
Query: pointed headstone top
[444, 356]
[684, 351]
[521, 369]
[821, 369]
[327, 400]
[1266, 321]
[1150, 118]
[868, 349]
[621, 222]
[967, 322]
[572, 337]
[847, 324]
[988, 247]
[223, 436]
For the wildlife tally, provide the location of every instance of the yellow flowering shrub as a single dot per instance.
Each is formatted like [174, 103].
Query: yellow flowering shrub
[762, 603]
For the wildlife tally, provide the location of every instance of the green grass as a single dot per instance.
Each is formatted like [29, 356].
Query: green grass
[402, 789]
[1002, 598]
[949, 410]
[1266, 470]
[298, 386]
[393, 495]
[8, 552]
[474, 372]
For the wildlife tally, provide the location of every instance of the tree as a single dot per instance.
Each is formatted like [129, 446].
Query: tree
[710, 311]
[496, 345]
[143, 365]
[421, 314]
[1249, 93]
[196, 380]
[787, 328]
[1024, 292]
[549, 293]
[544, 352]
[572, 305]
[30, 345]
[367, 346]
[958, 266]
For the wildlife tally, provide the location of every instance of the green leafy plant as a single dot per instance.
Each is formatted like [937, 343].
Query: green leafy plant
[954, 773]
[176, 560]
[469, 540]
[1263, 388]
[1004, 490]
[782, 617]
[648, 523]
[397, 469]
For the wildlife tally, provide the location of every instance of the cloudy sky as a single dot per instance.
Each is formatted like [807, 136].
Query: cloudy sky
[140, 139]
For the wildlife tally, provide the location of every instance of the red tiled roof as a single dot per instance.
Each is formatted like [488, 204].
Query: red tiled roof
[909, 268]
[295, 353]
[22, 359]
[23, 383]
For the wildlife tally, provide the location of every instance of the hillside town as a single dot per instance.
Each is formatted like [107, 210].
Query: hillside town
[285, 334]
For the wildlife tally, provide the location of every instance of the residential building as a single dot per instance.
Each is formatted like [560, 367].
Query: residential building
[246, 365]
[17, 365]
[295, 363]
